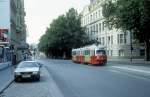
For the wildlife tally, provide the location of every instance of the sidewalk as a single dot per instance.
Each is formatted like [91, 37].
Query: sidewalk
[6, 75]
[138, 67]
[129, 62]
[4, 65]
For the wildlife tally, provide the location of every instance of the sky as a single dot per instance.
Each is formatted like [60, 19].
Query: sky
[40, 13]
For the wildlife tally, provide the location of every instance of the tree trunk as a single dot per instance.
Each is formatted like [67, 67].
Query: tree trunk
[147, 45]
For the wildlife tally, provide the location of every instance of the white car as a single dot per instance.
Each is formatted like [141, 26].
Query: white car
[27, 69]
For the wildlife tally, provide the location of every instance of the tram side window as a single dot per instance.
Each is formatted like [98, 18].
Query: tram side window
[73, 53]
[102, 52]
[92, 52]
[82, 53]
[78, 53]
[87, 52]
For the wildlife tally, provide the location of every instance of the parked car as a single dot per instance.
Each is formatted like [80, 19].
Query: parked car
[26, 70]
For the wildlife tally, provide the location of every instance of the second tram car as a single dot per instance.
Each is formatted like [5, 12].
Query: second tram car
[93, 54]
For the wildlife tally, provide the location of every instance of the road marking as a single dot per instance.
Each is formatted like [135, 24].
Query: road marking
[130, 75]
[132, 69]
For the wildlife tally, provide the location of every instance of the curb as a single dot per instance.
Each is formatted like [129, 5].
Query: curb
[55, 90]
[6, 86]
[132, 63]
[9, 82]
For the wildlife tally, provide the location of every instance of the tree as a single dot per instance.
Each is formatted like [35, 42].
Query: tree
[130, 15]
[64, 33]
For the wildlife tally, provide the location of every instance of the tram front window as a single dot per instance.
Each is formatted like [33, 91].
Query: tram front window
[101, 52]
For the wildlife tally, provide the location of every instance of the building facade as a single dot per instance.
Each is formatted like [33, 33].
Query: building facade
[18, 28]
[12, 18]
[119, 44]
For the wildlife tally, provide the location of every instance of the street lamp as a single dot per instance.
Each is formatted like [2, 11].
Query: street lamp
[12, 54]
[131, 46]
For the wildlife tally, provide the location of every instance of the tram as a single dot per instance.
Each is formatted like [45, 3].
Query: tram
[93, 54]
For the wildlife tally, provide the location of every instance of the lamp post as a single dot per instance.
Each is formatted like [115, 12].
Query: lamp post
[12, 54]
[131, 46]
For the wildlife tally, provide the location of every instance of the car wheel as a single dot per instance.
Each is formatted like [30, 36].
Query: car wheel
[16, 79]
[105, 63]
[38, 78]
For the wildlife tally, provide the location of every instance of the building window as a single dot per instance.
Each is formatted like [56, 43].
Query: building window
[91, 18]
[96, 15]
[91, 30]
[88, 19]
[103, 40]
[125, 37]
[111, 39]
[100, 41]
[111, 52]
[96, 28]
[108, 40]
[121, 52]
[100, 27]
[97, 39]
[108, 52]
[99, 13]
[120, 38]
[87, 31]
[142, 52]
[103, 26]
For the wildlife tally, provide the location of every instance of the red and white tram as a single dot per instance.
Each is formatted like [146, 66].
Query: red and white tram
[93, 54]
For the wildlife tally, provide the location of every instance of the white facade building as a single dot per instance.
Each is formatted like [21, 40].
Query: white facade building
[117, 42]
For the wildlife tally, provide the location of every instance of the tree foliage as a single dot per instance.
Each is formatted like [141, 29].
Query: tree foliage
[131, 15]
[64, 33]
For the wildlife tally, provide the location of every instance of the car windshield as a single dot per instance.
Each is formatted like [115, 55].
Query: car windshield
[27, 64]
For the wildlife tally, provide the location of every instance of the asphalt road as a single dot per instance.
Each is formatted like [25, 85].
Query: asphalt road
[78, 80]
[63, 78]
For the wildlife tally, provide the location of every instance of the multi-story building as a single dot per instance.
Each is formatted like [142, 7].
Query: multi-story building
[18, 27]
[12, 16]
[118, 43]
